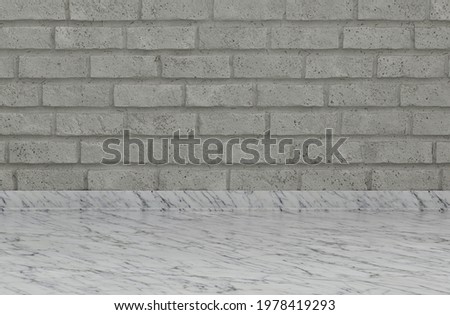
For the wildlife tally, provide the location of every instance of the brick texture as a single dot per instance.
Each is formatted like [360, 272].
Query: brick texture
[74, 73]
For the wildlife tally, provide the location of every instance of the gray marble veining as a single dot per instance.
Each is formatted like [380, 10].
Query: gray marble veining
[231, 252]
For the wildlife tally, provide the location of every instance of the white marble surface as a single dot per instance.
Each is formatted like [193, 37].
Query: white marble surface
[230, 252]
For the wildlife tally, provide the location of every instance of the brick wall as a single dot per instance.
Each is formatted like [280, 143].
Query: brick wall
[75, 72]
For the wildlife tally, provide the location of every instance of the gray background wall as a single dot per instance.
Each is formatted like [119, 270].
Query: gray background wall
[75, 72]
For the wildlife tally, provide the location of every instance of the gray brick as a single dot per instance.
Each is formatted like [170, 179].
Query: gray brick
[364, 94]
[431, 123]
[6, 180]
[339, 66]
[405, 179]
[392, 9]
[268, 66]
[2, 152]
[169, 37]
[411, 66]
[144, 95]
[319, 10]
[74, 124]
[352, 152]
[446, 180]
[393, 152]
[377, 38]
[6, 67]
[32, 10]
[290, 95]
[232, 124]
[248, 9]
[164, 124]
[131, 179]
[176, 10]
[440, 10]
[307, 123]
[375, 122]
[92, 151]
[25, 124]
[88, 37]
[334, 180]
[263, 179]
[104, 10]
[232, 37]
[50, 179]
[43, 152]
[19, 94]
[432, 37]
[305, 37]
[192, 179]
[67, 66]
[426, 95]
[123, 66]
[226, 95]
[77, 94]
[196, 66]
[25, 38]
[443, 152]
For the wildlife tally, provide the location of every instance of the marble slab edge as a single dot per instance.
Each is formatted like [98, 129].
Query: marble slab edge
[225, 200]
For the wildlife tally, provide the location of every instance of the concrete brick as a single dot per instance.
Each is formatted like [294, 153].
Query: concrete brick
[232, 37]
[88, 37]
[68, 66]
[50, 179]
[334, 180]
[131, 179]
[377, 38]
[6, 67]
[43, 152]
[443, 152]
[375, 122]
[395, 152]
[268, 66]
[19, 94]
[264, 179]
[119, 66]
[431, 123]
[411, 66]
[144, 95]
[432, 37]
[6, 180]
[232, 124]
[364, 94]
[169, 37]
[104, 10]
[164, 124]
[25, 124]
[426, 95]
[192, 179]
[305, 37]
[405, 179]
[224, 95]
[290, 95]
[196, 66]
[3, 152]
[32, 10]
[392, 9]
[308, 123]
[75, 124]
[339, 66]
[25, 38]
[176, 10]
[77, 94]
[319, 10]
[440, 10]
[248, 9]
[446, 180]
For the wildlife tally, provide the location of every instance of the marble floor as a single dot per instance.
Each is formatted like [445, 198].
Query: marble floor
[229, 252]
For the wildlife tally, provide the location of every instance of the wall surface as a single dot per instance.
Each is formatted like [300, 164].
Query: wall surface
[74, 73]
